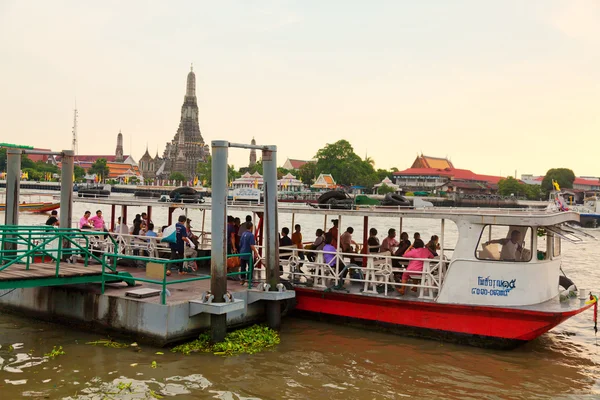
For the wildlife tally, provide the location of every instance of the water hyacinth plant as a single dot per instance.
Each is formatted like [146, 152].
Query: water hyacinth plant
[248, 340]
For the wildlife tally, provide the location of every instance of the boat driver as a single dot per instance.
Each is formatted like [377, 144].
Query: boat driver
[511, 248]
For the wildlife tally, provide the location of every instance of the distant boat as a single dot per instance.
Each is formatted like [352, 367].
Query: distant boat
[32, 203]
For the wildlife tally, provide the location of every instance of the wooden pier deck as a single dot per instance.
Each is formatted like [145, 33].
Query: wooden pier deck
[44, 274]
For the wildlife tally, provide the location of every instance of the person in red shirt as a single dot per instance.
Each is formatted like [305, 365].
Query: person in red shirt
[334, 232]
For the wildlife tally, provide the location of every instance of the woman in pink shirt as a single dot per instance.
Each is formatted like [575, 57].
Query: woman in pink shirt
[417, 250]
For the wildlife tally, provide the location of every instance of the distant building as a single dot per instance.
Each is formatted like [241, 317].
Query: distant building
[324, 181]
[433, 173]
[585, 183]
[249, 180]
[294, 165]
[187, 149]
[289, 183]
[125, 168]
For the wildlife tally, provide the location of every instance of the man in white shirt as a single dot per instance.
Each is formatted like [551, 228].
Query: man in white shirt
[121, 228]
[511, 248]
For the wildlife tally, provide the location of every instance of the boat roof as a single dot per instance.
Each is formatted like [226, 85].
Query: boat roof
[480, 216]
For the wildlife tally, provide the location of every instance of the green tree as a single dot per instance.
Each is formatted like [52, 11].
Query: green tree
[79, 172]
[232, 173]
[308, 173]
[100, 168]
[510, 186]
[204, 171]
[534, 192]
[258, 167]
[384, 189]
[564, 176]
[281, 172]
[346, 167]
[2, 159]
[177, 176]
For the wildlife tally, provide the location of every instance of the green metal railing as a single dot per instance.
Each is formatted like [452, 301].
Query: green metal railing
[166, 263]
[22, 245]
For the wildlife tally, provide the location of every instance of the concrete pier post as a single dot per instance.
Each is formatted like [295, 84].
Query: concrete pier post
[13, 186]
[218, 260]
[66, 188]
[269, 157]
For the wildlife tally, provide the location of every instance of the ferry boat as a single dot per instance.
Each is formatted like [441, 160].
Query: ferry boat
[471, 293]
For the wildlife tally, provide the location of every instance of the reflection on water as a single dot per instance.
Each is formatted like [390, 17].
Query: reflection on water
[314, 360]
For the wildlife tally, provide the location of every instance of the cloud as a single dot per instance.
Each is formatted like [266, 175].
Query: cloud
[578, 19]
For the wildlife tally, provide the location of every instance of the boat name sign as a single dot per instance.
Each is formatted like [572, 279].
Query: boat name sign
[493, 287]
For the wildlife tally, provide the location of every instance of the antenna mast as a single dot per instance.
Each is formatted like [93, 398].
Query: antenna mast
[74, 144]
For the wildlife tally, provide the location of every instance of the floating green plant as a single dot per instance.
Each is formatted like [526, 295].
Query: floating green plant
[55, 352]
[108, 343]
[248, 340]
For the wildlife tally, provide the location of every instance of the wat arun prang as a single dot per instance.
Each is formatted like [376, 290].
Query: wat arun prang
[187, 148]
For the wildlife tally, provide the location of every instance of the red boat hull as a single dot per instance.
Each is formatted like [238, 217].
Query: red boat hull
[476, 325]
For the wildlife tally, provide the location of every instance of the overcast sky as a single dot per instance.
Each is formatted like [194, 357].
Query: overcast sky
[497, 86]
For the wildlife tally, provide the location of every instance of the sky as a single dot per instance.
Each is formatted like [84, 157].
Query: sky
[496, 86]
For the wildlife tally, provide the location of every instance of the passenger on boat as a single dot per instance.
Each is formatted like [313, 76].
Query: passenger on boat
[191, 235]
[121, 228]
[145, 220]
[236, 224]
[334, 232]
[316, 245]
[329, 258]
[84, 222]
[97, 221]
[511, 248]
[247, 245]
[53, 219]
[346, 241]
[284, 239]
[417, 250]
[178, 248]
[373, 241]
[433, 245]
[390, 242]
[243, 226]
[231, 235]
[416, 236]
[403, 246]
[149, 233]
[136, 230]
[297, 240]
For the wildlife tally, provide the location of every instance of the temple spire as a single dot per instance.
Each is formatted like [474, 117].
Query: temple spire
[191, 83]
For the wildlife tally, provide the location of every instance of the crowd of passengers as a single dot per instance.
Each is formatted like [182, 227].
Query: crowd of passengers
[390, 246]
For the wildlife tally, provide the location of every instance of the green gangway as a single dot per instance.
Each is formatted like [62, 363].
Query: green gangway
[35, 256]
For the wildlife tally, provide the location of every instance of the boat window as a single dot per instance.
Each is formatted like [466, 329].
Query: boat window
[544, 244]
[505, 243]
[556, 246]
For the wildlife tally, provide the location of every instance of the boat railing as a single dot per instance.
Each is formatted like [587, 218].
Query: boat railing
[375, 273]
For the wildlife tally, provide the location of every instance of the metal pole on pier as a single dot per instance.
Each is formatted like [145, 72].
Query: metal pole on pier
[13, 186]
[269, 157]
[66, 188]
[218, 259]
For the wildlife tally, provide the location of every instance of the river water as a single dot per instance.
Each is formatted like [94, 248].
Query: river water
[314, 360]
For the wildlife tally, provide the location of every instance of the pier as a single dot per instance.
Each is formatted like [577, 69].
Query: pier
[73, 275]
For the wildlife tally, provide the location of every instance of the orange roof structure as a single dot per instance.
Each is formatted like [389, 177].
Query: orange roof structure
[324, 181]
[432, 162]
